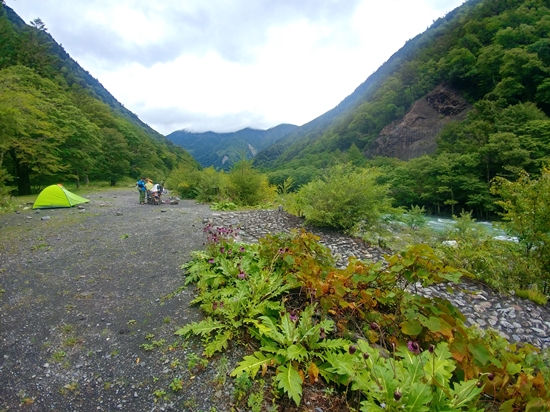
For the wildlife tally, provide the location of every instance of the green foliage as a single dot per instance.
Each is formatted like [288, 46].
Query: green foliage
[294, 341]
[498, 58]
[406, 380]
[533, 294]
[247, 186]
[495, 262]
[408, 352]
[526, 205]
[58, 123]
[343, 198]
[207, 185]
[237, 286]
[223, 206]
[415, 218]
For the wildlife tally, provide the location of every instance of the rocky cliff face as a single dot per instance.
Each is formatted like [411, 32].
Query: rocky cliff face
[414, 135]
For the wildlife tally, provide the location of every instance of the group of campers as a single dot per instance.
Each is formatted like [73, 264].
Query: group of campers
[149, 192]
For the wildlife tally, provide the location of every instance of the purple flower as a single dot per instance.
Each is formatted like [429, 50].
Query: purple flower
[413, 347]
[293, 316]
[242, 275]
[241, 249]
[211, 260]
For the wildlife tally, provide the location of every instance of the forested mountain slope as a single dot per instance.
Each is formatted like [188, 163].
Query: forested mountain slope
[495, 57]
[57, 122]
[222, 150]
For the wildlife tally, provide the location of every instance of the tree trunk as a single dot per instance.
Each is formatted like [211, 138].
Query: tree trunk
[23, 177]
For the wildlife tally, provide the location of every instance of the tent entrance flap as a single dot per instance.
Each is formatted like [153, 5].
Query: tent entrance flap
[55, 196]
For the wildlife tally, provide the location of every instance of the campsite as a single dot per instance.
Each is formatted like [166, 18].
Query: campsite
[83, 289]
[56, 196]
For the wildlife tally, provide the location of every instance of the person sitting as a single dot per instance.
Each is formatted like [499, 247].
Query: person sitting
[156, 188]
[156, 191]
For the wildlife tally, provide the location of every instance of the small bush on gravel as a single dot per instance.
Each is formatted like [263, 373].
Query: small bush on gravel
[343, 198]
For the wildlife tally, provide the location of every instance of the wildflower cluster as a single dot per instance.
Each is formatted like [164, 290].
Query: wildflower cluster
[220, 234]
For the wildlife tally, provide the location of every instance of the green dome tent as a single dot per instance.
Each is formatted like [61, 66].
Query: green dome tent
[57, 196]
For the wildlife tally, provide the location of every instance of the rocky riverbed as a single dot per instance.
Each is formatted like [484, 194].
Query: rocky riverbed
[519, 320]
[88, 310]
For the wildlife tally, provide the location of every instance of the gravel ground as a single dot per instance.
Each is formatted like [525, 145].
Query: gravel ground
[84, 323]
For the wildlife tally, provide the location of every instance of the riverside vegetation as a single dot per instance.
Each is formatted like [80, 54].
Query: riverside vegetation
[357, 332]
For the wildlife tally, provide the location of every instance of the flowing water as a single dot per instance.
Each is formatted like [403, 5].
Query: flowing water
[441, 224]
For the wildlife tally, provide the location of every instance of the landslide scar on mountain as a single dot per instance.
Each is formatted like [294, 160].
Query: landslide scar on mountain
[414, 135]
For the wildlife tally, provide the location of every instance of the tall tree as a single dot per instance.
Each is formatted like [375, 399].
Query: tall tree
[114, 161]
[41, 131]
[34, 49]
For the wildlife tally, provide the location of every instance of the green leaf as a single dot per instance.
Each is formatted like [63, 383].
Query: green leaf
[362, 381]
[411, 328]
[507, 406]
[412, 362]
[251, 364]
[481, 354]
[418, 397]
[341, 363]
[289, 260]
[513, 368]
[333, 344]
[439, 366]
[268, 328]
[202, 328]
[219, 343]
[290, 381]
[228, 267]
[288, 329]
[438, 325]
[296, 352]
[464, 393]
[368, 406]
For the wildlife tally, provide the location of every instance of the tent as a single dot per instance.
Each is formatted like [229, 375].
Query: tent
[57, 196]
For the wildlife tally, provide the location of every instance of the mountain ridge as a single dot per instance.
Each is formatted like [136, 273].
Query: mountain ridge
[221, 150]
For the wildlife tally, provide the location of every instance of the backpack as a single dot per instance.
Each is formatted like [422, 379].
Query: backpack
[141, 185]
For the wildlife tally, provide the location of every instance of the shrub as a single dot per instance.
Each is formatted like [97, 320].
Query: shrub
[207, 185]
[344, 198]
[526, 205]
[247, 186]
[5, 199]
[179, 180]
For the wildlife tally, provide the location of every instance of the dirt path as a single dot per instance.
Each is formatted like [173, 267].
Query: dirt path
[83, 322]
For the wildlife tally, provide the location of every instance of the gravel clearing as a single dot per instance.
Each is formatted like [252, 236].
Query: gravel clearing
[88, 307]
[84, 320]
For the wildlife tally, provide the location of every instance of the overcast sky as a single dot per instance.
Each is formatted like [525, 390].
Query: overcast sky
[224, 65]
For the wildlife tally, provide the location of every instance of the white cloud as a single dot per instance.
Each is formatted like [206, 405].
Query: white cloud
[233, 63]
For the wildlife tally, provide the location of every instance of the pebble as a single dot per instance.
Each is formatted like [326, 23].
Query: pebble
[511, 316]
